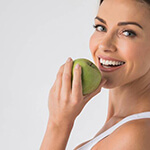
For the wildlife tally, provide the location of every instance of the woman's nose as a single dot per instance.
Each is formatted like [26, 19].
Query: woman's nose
[107, 44]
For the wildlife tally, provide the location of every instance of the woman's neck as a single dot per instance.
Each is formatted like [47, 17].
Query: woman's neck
[129, 99]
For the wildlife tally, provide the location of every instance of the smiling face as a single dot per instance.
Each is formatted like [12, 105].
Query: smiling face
[123, 33]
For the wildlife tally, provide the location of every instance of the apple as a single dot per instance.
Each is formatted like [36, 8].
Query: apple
[90, 76]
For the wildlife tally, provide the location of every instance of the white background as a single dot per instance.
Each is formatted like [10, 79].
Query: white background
[36, 38]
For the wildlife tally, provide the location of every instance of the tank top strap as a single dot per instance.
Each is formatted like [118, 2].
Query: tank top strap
[90, 144]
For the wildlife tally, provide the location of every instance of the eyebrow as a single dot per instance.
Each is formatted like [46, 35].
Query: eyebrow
[120, 23]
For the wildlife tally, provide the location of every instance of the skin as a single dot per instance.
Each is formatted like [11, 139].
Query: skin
[65, 104]
[130, 85]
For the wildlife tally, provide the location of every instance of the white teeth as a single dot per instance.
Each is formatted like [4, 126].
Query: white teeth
[106, 62]
[110, 62]
[113, 63]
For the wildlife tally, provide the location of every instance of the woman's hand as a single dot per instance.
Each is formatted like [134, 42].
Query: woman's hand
[66, 103]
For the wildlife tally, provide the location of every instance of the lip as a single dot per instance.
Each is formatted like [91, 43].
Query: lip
[108, 58]
[101, 68]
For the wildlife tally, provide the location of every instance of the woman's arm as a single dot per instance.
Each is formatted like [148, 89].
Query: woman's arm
[56, 137]
[65, 104]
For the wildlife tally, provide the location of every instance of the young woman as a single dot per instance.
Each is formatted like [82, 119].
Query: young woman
[120, 47]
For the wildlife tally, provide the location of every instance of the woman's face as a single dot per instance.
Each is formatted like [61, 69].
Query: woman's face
[129, 43]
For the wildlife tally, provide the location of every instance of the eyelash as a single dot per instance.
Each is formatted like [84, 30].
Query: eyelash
[130, 31]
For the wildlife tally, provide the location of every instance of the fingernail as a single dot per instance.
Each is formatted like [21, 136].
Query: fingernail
[69, 59]
[77, 66]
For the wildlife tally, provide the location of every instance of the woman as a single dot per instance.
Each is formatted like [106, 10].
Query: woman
[122, 38]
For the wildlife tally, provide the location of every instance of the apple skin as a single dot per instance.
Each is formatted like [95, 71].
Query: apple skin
[90, 76]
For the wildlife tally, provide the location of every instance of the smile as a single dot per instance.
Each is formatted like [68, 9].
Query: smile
[109, 65]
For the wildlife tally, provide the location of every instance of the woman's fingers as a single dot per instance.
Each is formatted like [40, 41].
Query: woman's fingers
[66, 79]
[77, 82]
[58, 81]
[66, 102]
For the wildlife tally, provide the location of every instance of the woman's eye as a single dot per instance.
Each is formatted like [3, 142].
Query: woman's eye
[129, 33]
[99, 27]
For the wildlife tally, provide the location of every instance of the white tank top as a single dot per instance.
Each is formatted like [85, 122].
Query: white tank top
[90, 144]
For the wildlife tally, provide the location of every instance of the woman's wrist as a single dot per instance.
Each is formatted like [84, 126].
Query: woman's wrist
[63, 125]
[56, 136]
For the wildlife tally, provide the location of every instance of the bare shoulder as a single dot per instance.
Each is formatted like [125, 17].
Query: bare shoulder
[133, 135]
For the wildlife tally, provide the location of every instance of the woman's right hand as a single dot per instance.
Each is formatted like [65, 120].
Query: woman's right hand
[66, 103]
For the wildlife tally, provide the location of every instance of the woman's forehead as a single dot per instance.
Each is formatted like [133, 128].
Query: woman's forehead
[124, 10]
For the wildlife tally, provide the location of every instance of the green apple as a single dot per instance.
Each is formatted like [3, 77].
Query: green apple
[90, 76]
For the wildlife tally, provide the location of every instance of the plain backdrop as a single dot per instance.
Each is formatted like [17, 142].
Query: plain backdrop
[36, 38]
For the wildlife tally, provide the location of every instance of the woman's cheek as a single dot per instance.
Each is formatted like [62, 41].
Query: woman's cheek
[128, 50]
[132, 53]
[92, 44]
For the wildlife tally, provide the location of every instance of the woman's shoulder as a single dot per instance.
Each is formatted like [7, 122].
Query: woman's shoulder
[133, 135]
[130, 136]
[136, 127]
